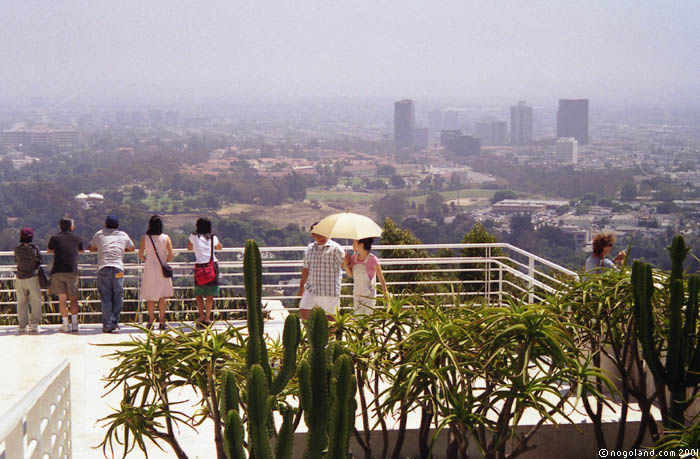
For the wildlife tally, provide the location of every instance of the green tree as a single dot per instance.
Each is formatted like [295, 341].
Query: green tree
[392, 205]
[500, 195]
[433, 206]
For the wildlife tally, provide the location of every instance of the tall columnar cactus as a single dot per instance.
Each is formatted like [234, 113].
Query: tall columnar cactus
[262, 387]
[682, 369]
[326, 392]
[343, 405]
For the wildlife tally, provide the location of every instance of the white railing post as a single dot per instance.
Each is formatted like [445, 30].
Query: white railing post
[41, 420]
[500, 285]
[531, 279]
[488, 275]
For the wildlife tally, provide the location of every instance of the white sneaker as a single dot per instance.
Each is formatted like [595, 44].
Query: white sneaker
[33, 328]
[65, 327]
[22, 330]
[74, 327]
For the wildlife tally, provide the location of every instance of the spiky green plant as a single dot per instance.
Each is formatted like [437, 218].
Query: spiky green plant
[262, 387]
[326, 394]
[682, 367]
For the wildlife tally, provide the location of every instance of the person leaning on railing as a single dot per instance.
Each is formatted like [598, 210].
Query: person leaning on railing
[201, 242]
[602, 245]
[110, 245]
[27, 285]
[65, 247]
[154, 250]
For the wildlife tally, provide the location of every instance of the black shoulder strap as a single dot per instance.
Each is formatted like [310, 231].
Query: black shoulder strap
[155, 249]
[38, 255]
[211, 257]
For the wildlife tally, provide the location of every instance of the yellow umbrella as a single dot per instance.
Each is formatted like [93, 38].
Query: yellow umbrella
[347, 225]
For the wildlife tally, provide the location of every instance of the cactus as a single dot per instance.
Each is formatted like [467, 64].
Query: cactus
[233, 436]
[261, 386]
[343, 405]
[257, 348]
[682, 369]
[228, 395]
[313, 387]
[326, 392]
[252, 278]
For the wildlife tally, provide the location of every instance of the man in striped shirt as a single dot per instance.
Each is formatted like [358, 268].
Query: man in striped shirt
[321, 276]
[27, 285]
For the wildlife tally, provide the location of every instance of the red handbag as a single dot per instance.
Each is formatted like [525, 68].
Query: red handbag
[205, 274]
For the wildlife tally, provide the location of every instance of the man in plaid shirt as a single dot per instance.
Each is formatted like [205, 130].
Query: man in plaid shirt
[321, 276]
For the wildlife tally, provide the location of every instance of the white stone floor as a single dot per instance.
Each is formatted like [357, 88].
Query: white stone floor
[27, 358]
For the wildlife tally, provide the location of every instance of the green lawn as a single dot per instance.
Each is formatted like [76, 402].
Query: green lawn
[160, 202]
[466, 193]
[323, 196]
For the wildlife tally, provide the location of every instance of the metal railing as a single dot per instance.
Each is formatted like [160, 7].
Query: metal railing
[497, 272]
[39, 425]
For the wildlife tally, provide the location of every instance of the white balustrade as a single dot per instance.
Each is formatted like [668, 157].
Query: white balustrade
[39, 425]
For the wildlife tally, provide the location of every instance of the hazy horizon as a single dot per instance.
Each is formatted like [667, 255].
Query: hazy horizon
[623, 53]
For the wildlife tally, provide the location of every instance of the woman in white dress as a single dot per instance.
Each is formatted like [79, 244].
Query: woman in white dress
[364, 269]
[154, 285]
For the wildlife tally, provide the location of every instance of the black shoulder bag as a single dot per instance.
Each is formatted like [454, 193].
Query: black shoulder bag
[167, 269]
[43, 278]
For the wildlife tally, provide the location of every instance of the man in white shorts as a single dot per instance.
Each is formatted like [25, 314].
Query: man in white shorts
[321, 276]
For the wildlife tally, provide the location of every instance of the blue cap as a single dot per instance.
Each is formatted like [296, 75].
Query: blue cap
[112, 221]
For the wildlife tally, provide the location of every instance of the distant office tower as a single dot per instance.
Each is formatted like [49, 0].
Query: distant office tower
[521, 124]
[404, 123]
[566, 150]
[491, 132]
[462, 145]
[435, 118]
[420, 138]
[572, 119]
[451, 120]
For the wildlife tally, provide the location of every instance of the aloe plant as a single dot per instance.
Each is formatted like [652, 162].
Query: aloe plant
[682, 367]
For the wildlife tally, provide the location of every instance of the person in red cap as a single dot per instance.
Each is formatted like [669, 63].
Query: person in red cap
[27, 285]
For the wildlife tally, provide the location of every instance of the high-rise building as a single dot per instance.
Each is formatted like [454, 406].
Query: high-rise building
[566, 150]
[404, 123]
[462, 145]
[491, 132]
[572, 119]
[521, 124]
[421, 138]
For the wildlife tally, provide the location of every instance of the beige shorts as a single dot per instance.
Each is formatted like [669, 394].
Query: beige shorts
[64, 284]
[330, 304]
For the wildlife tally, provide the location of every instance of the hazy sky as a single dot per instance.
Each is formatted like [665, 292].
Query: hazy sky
[613, 51]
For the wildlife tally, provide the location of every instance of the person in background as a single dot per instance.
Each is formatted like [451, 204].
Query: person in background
[321, 276]
[201, 243]
[154, 285]
[364, 268]
[110, 245]
[602, 245]
[27, 285]
[65, 247]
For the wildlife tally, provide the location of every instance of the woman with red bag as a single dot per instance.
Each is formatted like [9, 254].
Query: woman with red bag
[206, 268]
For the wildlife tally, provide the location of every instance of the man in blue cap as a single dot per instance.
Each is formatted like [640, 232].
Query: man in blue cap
[110, 245]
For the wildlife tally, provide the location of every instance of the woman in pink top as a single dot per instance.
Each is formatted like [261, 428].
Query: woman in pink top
[364, 268]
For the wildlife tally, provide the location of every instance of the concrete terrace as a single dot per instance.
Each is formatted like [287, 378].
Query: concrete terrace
[28, 358]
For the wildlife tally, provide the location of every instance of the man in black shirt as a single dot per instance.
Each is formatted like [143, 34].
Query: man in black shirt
[64, 275]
